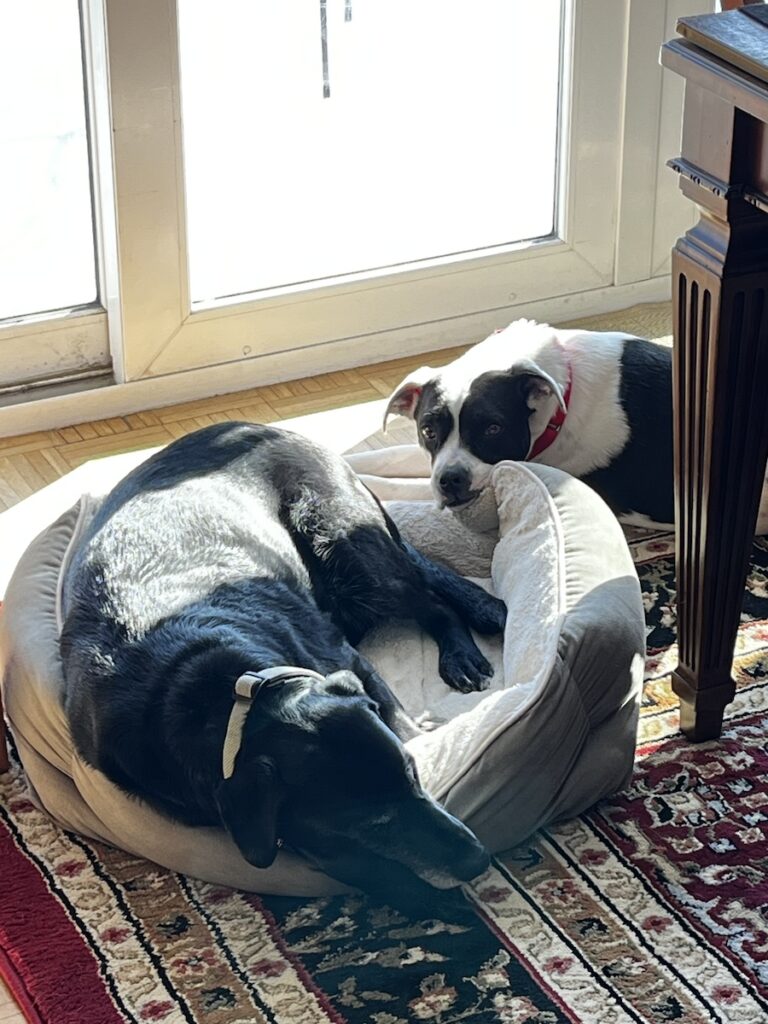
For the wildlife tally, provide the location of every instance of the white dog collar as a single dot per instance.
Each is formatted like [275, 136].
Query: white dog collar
[247, 689]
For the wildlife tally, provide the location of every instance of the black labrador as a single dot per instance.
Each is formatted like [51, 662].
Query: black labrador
[213, 608]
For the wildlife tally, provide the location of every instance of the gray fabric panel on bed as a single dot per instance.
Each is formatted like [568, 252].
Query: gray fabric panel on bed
[576, 743]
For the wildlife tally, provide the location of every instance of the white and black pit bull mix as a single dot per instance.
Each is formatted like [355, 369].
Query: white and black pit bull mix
[595, 404]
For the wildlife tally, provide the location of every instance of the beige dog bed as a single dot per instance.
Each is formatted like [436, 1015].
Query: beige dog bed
[554, 732]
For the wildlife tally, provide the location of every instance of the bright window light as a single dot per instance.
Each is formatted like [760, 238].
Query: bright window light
[329, 137]
[46, 226]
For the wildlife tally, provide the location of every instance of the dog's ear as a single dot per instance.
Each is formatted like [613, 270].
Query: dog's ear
[537, 385]
[249, 803]
[343, 684]
[406, 395]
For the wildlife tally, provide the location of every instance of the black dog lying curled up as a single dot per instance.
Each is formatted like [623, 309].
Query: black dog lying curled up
[213, 607]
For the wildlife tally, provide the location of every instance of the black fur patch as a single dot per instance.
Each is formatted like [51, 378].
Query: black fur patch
[434, 420]
[494, 418]
[640, 479]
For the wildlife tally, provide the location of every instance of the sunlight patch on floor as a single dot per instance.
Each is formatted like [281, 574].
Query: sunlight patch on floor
[339, 429]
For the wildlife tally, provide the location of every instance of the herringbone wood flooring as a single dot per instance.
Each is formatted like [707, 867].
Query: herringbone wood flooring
[31, 461]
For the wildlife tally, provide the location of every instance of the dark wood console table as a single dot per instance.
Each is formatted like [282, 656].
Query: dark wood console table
[720, 294]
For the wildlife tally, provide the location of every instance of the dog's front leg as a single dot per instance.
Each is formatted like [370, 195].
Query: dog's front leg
[481, 611]
[462, 664]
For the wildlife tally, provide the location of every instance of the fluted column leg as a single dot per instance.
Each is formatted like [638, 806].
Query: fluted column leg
[721, 443]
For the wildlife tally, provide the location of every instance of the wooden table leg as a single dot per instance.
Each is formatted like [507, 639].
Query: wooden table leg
[721, 443]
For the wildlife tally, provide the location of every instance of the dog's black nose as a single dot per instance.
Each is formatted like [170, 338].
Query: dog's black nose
[454, 483]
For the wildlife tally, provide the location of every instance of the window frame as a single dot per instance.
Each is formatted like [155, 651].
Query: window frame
[383, 313]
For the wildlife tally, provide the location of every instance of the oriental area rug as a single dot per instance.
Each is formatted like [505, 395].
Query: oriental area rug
[653, 907]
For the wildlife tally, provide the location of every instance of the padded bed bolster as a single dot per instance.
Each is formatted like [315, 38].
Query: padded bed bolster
[574, 743]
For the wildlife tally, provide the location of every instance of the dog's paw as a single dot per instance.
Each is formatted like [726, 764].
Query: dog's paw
[487, 615]
[466, 670]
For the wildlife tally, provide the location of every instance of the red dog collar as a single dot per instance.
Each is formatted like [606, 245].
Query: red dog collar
[552, 429]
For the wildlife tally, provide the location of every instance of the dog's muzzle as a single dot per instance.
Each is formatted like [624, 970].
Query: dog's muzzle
[455, 483]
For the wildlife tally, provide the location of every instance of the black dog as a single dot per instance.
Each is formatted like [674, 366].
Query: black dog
[212, 611]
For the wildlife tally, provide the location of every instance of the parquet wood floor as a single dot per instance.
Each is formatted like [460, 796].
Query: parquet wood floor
[31, 461]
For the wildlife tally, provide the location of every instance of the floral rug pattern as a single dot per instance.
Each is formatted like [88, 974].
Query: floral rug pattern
[653, 907]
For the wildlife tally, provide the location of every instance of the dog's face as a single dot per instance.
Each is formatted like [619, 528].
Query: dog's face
[468, 424]
[337, 786]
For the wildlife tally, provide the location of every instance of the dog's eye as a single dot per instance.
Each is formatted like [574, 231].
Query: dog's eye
[428, 433]
[492, 428]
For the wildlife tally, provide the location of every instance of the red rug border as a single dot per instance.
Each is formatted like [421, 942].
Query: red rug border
[15, 984]
[102, 1007]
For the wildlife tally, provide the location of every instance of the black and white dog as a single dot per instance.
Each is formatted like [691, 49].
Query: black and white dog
[212, 610]
[595, 404]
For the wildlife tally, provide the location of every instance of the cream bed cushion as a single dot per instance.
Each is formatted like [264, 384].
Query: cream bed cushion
[554, 732]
